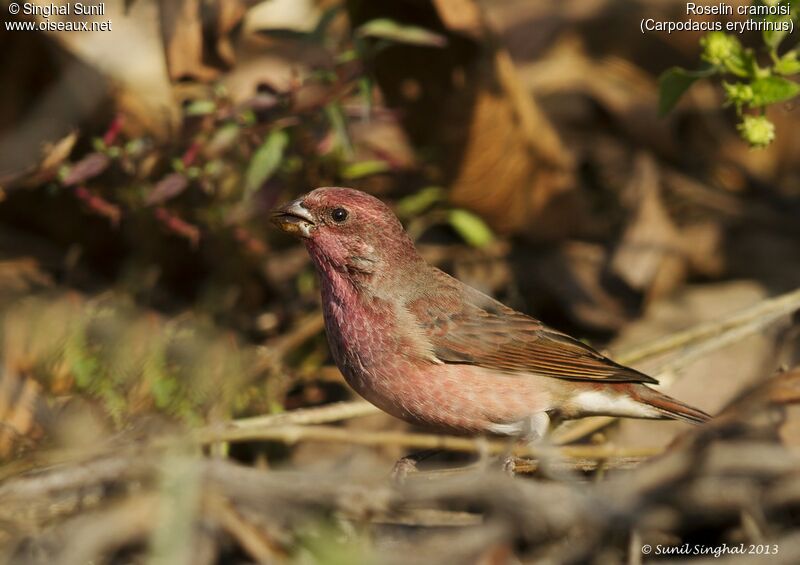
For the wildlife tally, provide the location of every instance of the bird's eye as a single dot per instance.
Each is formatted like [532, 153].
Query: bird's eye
[339, 215]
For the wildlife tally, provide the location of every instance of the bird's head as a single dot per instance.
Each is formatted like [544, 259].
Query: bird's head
[347, 230]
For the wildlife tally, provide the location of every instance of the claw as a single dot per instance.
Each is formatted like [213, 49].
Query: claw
[510, 465]
[402, 468]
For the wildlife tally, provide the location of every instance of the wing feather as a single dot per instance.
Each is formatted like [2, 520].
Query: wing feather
[466, 326]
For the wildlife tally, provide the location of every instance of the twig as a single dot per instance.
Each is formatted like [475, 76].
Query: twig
[765, 312]
[321, 415]
[254, 541]
[99, 533]
[291, 434]
[524, 466]
[305, 329]
[429, 517]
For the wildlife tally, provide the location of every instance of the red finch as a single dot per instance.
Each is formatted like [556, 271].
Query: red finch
[429, 349]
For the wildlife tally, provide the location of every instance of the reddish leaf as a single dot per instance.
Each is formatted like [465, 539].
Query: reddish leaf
[168, 187]
[190, 154]
[87, 168]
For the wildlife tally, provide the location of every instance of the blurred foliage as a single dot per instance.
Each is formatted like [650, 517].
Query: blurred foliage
[206, 189]
[755, 85]
[232, 159]
[131, 362]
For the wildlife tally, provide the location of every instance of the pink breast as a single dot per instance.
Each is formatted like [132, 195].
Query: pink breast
[383, 363]
[459, 397]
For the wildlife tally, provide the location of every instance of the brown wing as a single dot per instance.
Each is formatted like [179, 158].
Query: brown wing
[466, 326]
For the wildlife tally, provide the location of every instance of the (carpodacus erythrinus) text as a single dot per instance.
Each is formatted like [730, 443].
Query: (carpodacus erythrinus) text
[429, 349]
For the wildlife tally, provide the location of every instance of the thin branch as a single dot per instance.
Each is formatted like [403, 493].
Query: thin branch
[765, 312]
[249, 536]
[320, 415]
[291, 434]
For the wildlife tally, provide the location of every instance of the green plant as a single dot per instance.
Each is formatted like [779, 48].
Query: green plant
[752, 79]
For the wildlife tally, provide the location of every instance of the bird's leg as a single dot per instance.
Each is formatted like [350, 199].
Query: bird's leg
[509, 461]
[408, 464]
[534, 431]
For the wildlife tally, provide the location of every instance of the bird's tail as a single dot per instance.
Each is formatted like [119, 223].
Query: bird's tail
[668, 406]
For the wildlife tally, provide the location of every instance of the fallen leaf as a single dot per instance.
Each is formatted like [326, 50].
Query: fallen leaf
[182, 30]
[56, 153]
[649, 257]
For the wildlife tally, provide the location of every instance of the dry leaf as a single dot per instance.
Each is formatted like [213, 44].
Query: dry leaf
[182, 30]
[649, 257]
[56, 153]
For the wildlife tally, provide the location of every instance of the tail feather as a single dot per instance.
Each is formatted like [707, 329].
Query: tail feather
[670, 407]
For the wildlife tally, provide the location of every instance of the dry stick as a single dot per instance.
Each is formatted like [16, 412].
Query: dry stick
[92, 535]
[321, 415]
[250, 537]
[290, 434]
[530, 466]
[305, 329]
[766, 311]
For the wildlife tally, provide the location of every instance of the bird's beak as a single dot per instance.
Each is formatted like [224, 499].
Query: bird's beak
[294, 218]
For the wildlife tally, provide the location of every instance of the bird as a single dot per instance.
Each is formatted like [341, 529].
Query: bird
[426, 348]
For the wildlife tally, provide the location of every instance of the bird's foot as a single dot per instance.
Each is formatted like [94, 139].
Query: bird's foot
[510, 465]
[402, 468]
[408, 465]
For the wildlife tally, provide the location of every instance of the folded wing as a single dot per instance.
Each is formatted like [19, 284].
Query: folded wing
[466, 326]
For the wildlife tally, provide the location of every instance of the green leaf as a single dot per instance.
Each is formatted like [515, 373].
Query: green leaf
[346, 56]
[164, 389]
[265, 161]
[365, 87]
[774, 37]
[415, 204]
[384, 28]
[338, 123]
[200, 108]
[470, 227]
[673, 83]
[788, 64]
[724, 50]
[364, 169]
[770, 90]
